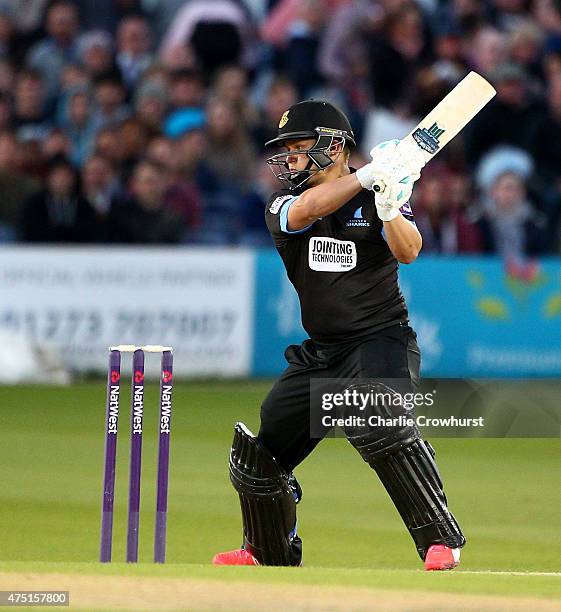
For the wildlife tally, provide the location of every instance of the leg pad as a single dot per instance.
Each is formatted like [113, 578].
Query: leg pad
[268, 498]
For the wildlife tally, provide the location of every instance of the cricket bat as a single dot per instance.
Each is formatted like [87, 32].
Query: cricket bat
[448, 118]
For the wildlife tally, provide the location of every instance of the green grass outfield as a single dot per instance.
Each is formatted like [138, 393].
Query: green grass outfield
[505, 493]
[489, 583]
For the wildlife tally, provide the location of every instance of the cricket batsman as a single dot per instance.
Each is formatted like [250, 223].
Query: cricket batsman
[340, 237]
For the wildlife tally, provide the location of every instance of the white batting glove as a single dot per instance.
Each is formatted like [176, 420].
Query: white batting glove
[388, 147]
[367, 174]
[405, 150]
[398, 186]
[392, 153]
[394, 196]
[394, 172]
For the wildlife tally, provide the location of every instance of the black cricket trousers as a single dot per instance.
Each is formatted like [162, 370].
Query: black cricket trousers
[285, 412]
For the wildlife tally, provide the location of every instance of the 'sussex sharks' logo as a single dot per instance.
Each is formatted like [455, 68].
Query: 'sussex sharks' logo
[358, 220]
[427, 138]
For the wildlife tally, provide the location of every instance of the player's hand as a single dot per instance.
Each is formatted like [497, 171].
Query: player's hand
[395, 158]
[395, 195]
[405, 151]
[395, 173]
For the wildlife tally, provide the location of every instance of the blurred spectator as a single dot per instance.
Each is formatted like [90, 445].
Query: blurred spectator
[99, 184]
[49, 55]
[502, 160]
[525, 43]
[395, 54]
[187, 90]
[551, 62]
[150, 105]
[547, 155]
[449, 63]
[179, 58]
[106, 14]
[281, 95]
[108, 144]
[30, 116]
[231, 84]
[161, 150]
[157, 75]
[199, 24]
[512, 117]
[30, 159]
[510, 225]
[109, 98]
[229, 152]
[142, 217]
[73, 75]
[547, 144]
[7, 75]
[95, 53]
[27, 15]
[134, 138]
[487, 50]
[76, 121]
[134, 42]
[15, 187]
[467, 16]
[507, 14]
[343, 55]
[275, 29]
[59, 213]
[189, 150]
[56, 144]
[198, 86]
[300, 57]
[230, 157]
[547, 15]
[182, 195]
[440, 202]
[7, 32]
[161, 14]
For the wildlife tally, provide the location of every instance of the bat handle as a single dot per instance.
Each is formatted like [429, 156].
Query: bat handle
[379, 186]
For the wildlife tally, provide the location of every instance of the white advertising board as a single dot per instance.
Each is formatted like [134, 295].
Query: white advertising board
[78, 301]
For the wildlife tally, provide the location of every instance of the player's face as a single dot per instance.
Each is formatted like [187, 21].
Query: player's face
[297, 159]
[296, 166]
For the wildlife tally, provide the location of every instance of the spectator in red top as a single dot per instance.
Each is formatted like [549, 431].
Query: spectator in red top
[182, 196]
[440, 213]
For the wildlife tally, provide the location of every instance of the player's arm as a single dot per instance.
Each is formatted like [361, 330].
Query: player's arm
[403, 238]
[322, 200]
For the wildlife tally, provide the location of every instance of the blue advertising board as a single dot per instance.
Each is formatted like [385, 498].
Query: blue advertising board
[473, 316]
[277, 315]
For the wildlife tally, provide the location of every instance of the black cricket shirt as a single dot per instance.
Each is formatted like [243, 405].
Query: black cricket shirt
[341, 267]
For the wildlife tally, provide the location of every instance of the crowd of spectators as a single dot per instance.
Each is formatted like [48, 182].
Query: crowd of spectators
[143, 121]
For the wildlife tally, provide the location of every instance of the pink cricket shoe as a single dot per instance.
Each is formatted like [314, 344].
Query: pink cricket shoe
[235, 557]
[440, 557]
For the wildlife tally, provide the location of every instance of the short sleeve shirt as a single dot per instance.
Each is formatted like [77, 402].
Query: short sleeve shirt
[341, 267]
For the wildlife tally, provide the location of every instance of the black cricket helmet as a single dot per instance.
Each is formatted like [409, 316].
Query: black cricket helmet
[316, 119]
